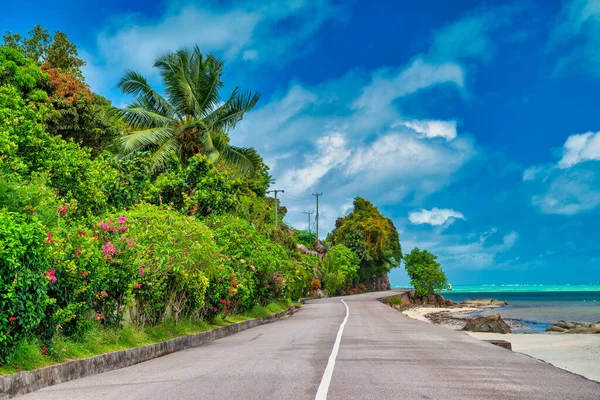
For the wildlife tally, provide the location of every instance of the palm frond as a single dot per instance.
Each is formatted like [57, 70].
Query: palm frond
[244, 159]
[134, 83]
[144, 139]
[161, 156]
[229, 114]
[209, 84]
[138, 115]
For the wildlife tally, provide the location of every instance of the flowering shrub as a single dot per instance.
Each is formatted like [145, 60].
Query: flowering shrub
[93, 273]
[174, 255]
[267, 271]
[23, 263]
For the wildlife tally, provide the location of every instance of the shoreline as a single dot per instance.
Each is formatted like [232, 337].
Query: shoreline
[577, 353]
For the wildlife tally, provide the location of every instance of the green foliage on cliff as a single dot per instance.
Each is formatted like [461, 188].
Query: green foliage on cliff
[425, 272]
[372, 237]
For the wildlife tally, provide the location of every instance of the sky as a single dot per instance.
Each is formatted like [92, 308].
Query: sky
[473, 125]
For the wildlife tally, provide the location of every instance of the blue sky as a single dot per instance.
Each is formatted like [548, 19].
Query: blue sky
[473, 125]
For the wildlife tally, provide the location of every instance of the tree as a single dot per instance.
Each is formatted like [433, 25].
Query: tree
[79, 114]
[191, 119]
[372, 237]
[425, 272]
[57, 52]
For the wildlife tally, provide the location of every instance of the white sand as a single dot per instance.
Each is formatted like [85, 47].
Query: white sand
[420, 312]
[578, 353]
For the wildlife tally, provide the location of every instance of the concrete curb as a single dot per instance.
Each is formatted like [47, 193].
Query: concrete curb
[30, 381]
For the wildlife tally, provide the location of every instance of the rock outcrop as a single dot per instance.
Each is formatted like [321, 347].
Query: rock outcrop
[305, 250]
[492, 323]
[575, 327]
[410, 299]
[486, 302]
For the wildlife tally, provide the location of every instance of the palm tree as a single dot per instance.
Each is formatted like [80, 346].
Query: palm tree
[191, 119]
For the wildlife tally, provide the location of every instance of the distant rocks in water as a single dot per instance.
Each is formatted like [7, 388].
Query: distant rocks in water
[575, 327]
[492, 323]
[486, 302]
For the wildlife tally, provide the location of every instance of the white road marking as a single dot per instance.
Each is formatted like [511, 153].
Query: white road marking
[326, 380]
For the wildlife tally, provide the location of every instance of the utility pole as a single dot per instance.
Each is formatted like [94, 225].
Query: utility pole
[308, 213]
[276, 203]
[317, 216]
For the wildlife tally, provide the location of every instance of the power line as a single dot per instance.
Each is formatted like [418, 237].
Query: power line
[308, 213]
[276, 203]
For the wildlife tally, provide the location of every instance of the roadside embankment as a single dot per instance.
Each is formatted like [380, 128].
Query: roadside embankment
[29, 381]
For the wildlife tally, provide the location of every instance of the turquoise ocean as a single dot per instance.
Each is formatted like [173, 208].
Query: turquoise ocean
[536, 306]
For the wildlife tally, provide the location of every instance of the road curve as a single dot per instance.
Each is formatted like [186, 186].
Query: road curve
[382, 355]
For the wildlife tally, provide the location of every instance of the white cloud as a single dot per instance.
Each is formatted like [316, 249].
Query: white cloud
[570, 192]
[388, 85]
[433, 128]
[243, 31]
[331, 152]
[470, 36]
[435, 216]
[577, 36]
[580, 148]
[570, 186]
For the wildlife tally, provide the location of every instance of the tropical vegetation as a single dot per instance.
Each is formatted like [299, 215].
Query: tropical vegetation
[425, 272]
[139, 223]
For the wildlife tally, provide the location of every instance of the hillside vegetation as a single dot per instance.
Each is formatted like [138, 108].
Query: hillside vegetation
[142, 219]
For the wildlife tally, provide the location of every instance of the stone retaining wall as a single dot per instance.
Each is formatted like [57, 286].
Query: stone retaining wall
[29, 381]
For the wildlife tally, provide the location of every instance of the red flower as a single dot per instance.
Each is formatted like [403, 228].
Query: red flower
[44, 351]
[61, 210]
[12, 319]
[49, 237]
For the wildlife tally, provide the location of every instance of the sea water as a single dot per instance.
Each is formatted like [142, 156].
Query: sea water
[537, 306]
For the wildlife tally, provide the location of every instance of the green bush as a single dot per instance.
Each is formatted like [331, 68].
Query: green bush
[338, 268]
[266, 271]
[425, 272]
[174, 255]
[23, 262]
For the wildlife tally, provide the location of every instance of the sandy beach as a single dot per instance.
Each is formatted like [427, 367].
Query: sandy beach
[577, 353]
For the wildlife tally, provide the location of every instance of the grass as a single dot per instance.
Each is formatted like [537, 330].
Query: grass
[99, 340]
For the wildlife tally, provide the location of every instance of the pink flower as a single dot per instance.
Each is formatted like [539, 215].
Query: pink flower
[103, 225]
[141, 271]
[49, 237]
[266, 284]
[61, 210]
[99, 316]
[123, 228]
[278, 275]
[78, 252]
[83, 273]
[121, 220]
[50, 275]
[139, 286]
[109, 249]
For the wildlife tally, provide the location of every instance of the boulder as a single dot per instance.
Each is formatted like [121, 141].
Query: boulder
[492, 323]
[575, 327]
[485, 302]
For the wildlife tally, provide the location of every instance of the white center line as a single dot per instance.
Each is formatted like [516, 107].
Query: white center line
[326, 380]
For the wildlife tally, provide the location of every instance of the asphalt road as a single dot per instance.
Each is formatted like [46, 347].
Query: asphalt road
[382, 355]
